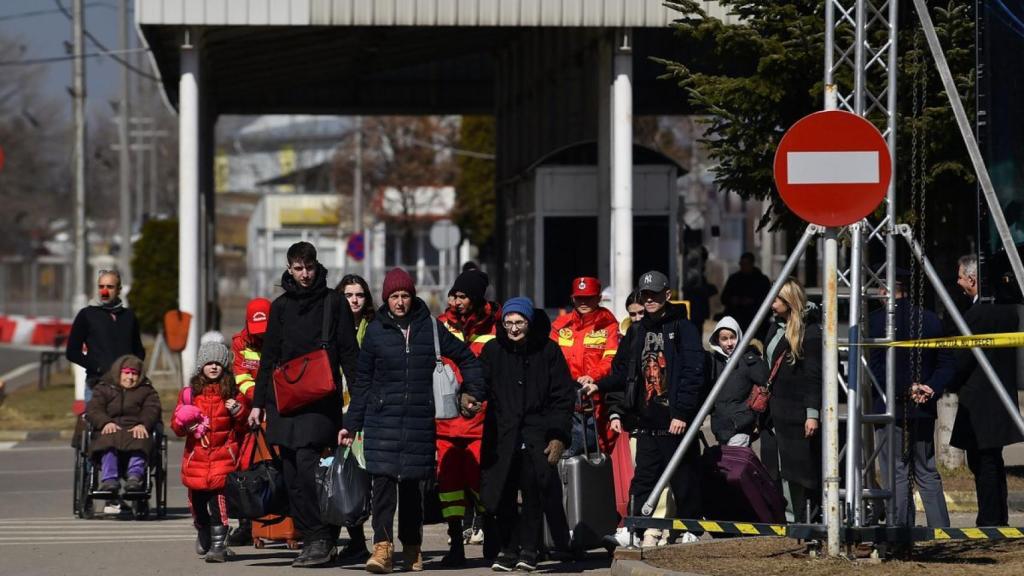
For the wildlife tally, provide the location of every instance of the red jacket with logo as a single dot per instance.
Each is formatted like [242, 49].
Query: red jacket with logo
[208, 460]
[475, 331]
[589, 343]
[247, 362]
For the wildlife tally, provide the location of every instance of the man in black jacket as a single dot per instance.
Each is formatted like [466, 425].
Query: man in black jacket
[659, 372]
[103, 331]
[982, 426]
[295, 327]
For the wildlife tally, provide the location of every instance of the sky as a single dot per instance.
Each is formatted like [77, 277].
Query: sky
[44, 35]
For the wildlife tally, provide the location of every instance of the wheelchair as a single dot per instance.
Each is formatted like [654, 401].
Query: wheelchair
[87, 479]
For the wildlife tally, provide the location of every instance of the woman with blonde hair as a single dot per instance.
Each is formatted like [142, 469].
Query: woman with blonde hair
[794, 355]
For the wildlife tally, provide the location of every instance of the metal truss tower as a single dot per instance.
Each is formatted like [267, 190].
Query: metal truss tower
[861, 77]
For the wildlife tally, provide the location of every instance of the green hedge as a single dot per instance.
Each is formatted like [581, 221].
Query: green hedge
[155, 273]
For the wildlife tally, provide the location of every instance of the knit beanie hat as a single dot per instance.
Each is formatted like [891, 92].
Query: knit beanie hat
[519, 305]
[472, 283]
[213, 352]
[397, 279]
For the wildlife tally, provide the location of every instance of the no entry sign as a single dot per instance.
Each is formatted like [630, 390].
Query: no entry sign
[832, 168]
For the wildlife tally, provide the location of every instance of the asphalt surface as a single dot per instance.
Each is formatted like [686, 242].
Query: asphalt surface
[14, 357]
[40, 536]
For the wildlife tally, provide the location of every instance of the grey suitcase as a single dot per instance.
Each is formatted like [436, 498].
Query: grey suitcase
[588, 499]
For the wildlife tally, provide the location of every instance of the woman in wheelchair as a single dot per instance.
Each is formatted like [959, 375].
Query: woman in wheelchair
[122, 412]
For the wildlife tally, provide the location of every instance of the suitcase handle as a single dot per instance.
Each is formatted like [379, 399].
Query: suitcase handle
[597, 435]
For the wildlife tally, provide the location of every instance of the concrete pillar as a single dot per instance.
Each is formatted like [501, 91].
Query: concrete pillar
[622, 273]
[189, 230]
[604, 160]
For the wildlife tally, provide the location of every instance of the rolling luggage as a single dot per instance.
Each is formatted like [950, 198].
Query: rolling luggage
[588, 498]
[268, 528]
[737, 487]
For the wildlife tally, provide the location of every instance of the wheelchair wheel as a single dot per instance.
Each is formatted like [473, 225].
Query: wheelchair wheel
[76, 494]
[161, 480]
[141, 510]
[84, 503]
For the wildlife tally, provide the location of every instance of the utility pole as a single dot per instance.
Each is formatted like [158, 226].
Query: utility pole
[125, 255]
[357, 199]
[78, 94]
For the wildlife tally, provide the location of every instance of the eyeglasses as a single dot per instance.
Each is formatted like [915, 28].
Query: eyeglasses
[130, 371]
[519, 324]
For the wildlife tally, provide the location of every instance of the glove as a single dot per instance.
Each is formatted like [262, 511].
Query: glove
[554, 451]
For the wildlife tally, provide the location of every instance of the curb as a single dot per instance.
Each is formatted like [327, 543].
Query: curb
[641, 568]
[35, 435]
[962, 501]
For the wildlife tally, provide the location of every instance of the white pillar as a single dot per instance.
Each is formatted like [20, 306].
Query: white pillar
[189, 262]
[623, 276]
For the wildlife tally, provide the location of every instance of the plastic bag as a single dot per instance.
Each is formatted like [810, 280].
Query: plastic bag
[344, 490]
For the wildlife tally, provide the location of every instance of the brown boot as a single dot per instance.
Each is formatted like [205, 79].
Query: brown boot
[412, 559]
[380, 561]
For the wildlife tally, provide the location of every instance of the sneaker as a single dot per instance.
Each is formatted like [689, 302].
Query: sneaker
[133, 484]
[477, 537]
[109, 486]
[689, 538]
[651, 538]
[505, 563]
[526, 563]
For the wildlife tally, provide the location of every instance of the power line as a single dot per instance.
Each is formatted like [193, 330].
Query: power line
[22, 15]
[107, 51]
[51, 59]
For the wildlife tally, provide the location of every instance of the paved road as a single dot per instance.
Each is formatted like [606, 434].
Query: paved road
[39, 536]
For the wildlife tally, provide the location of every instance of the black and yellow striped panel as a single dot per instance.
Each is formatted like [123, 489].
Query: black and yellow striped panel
[1001, 533]
[711, 526]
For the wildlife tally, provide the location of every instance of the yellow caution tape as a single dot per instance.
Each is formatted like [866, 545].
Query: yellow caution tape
[1002, 340]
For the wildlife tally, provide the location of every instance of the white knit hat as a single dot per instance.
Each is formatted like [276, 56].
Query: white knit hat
[213, 352]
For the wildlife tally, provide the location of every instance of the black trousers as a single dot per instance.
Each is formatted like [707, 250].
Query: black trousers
[652, 456]
[300, 477]
[990, 483]
[208, 508]
[406, 495]
[521, 531]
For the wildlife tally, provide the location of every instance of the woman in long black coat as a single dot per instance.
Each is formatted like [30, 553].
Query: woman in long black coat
[293, 329]
[393, 405]
[528, 425]
[794, 345]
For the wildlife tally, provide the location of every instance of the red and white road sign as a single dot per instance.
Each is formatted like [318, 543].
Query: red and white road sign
[832, 168]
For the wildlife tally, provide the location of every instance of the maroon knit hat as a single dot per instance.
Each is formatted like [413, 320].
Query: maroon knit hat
[397, 279]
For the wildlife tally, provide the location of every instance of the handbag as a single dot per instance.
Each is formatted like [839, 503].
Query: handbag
[344, 490]
[760, 395]
[259, 490]
[446, 387]
[307, 378]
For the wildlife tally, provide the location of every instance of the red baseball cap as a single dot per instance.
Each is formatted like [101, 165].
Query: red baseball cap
[586, 286]
[256, 314]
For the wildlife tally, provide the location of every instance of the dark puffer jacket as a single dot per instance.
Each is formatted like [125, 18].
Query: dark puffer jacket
[126, 407]
[732, 415]
[530, 395]
[393, 397]
[293, 329]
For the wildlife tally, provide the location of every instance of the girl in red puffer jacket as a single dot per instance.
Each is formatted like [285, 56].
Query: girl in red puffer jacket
[210, 414]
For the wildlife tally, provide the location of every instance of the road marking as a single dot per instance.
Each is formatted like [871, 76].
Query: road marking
[19, 371]
[50, 471]
[36, 541]
[7, 445]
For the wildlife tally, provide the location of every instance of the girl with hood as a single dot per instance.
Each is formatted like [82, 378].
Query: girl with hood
[733, 421]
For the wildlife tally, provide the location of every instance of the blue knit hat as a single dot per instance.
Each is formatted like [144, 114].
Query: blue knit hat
[520, 305]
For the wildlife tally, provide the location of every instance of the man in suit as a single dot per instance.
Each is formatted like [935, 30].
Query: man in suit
[982, 426]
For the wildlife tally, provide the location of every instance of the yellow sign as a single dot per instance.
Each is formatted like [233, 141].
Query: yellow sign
[308, 217]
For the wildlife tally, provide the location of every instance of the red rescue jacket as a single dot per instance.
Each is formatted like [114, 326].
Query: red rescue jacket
[247, 362]
[475, 331]
[208, 460]
[589, 343]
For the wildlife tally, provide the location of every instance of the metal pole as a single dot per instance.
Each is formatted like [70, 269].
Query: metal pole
[125, 254]
[622, 167]
[993, 378]
[830, 391]
[693, 429]
[972, 144]
[890, 260]
[357, 199]
[853, 408]
[78, 68]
